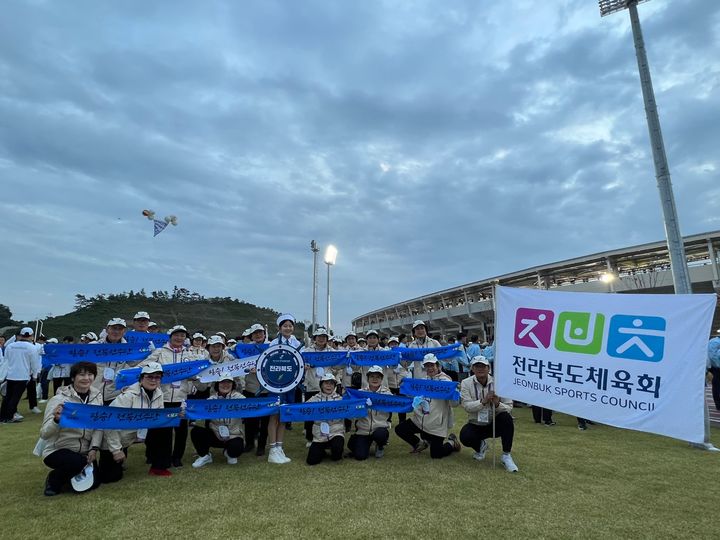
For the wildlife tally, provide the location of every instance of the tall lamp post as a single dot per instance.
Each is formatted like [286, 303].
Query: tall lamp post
[676, 247]
[330, 258]
[315, 249]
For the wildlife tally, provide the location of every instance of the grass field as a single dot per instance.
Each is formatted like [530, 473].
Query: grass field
[604, 482]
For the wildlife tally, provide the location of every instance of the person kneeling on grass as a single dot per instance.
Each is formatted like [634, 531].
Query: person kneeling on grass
[225, 433]
[67, 451]
[478, 398]
[144, 394]
[375, 427]
[328, 434]
[431, 419]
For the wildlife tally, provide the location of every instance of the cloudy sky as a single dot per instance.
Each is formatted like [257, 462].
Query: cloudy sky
[435, 143]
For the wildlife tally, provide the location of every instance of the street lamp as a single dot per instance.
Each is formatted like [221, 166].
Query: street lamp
[676, 247]
[330, 258]
[315, 249]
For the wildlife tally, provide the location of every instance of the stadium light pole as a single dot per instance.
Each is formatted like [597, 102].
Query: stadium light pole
[330, 258]
[676, 247]
[315, 249]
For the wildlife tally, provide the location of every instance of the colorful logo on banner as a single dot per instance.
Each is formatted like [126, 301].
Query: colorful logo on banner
[280, 368]
[630, 337]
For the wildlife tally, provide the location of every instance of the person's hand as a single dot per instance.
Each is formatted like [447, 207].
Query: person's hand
[91, 456]
[118, 456]
[57, 413]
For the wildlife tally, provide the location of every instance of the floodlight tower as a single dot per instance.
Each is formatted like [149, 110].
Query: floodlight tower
[330, 258]
[315, 249]
[676, 247]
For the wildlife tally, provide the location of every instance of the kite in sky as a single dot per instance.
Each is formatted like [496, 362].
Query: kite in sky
[160, 224]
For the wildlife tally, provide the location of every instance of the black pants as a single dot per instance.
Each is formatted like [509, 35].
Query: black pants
[401, 416]
[407, 431]
[60, 381]
[158, 447]
[32, 393]
[317, 450]
[716, 386]
[203, 438]
[110, 470]
[181, 434]
[359, 445]
[65, 464]
[256, 427]
[13, 393]
[44, 383]
[309, 423]
[473, 435]
[452, 374]
[541, 415]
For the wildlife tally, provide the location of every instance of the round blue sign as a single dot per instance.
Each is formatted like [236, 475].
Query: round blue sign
[280, 368]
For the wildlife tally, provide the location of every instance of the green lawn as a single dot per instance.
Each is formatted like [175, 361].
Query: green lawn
[604, 482]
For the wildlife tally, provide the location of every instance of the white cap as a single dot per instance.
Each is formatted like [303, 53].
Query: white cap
[246, 332]
[321, 332]
[216, 339]
[198, 335]
[177, 328]
[371, 332]
[418, 323]
[376, 369]
[92, 336]
[27, 331]
[285, 317]
[141, 315]
[479, 359]
[327, 376]
[351, 333]
[430, 358]
[337, 339]
[83, 480]
[116, 321]
[361, 339]
[232, 341]
[255, 327]
[52, 340]
[83, 335]
[152, 367]
[151, 324]
[393, 338]
[221, 334]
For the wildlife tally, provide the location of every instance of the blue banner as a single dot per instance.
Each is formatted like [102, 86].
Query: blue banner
[323, 410]
[92, 352]
[325, 359]
[382, 402]
[243, 350]
[375, 358]
[429, 388]
[81, 416]
[416, 355]
[208, 409]
[144, 338]
[171, 372]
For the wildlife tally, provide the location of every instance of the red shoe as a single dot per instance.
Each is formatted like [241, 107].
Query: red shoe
[159, 472]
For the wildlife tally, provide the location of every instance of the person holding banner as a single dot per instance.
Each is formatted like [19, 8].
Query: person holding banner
[67, 451]
[394, 375]
[373, 344]
[312, 375]
[197, 348]
[226, 433]
[421, 341]
[255, 427]
[216, 353]
[105, 384]
[328, 434]
[489, 415]
[276, 429]
[174, 352]
[431, 419]
[141, 322]
[144, 394]
[375, 427]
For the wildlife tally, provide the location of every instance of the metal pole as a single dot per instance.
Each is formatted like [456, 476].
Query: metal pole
[315, 249]
[676, 247]
[328, 296]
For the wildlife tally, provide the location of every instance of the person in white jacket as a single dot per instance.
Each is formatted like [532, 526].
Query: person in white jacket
[421, 341]
[489, 415]
[328, 434]
[23, 365]
[375, 427]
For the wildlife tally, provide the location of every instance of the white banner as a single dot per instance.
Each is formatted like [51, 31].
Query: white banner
[237, 368]
[635, 361]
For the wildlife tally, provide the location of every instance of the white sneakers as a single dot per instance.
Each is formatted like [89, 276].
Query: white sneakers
[507, 461]
[17, 417]
[35, 410]
[230, 460]
[277, 455]
[308, 444]
[480, 455]
[202, 461]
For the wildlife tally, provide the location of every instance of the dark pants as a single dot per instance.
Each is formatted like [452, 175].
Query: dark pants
[203, 438]
[256, 427]
[473, 435]
[32, 393]
[401, 416]
[452, 374]
[359, 445]
[45, 383]
[407, 431]
[309, 423]
[64, 464]
[60, 381]
[317, 450]
[541, 415]
[181, 434]
[110, 470]
[158, 447]
[716, 386]
[13, 393]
